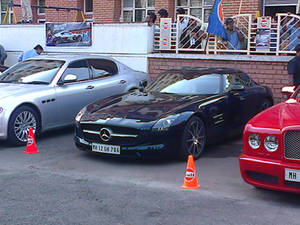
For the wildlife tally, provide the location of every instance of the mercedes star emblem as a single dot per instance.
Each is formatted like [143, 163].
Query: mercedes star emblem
[105, 134]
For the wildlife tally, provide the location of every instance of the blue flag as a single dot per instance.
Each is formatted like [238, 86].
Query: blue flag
[216, 19]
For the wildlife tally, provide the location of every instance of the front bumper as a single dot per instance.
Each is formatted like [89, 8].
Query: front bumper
[84, 145]
[268, 174]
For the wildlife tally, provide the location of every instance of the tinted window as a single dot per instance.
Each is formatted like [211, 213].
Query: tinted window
[103, 67]
[236, 79]
[78, 68]
[32, 71]
[177, 84]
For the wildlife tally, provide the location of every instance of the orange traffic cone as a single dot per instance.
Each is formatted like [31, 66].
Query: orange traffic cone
[190, 180]
[31, 147]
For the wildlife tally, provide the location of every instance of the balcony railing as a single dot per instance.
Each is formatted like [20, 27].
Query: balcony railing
[266, 35]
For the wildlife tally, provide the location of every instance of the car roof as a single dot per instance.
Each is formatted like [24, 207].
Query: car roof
[71, 57]
[188, 72]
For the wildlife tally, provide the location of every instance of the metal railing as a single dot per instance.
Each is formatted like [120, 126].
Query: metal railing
[264, 35]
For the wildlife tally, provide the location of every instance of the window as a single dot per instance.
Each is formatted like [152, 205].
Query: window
[103, 67]
[136, 10]
[41, 11]
[271, 7]
[78, 68]
[88, 6]
[3, 8]
[198, 8]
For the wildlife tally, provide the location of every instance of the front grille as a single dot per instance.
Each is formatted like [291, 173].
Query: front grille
[124, 141]
[292, 144]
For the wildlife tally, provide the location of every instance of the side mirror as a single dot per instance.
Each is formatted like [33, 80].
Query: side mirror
[237, 88]
[68, 79]
[288, 90]
[143, 84]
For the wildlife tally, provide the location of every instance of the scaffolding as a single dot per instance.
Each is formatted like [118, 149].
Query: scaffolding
[11, 5]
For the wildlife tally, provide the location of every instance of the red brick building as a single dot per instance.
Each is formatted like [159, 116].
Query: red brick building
[116, 11]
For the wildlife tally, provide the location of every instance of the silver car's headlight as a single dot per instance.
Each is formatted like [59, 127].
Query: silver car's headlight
[254, 141]
[271, 143]
[165, 123]
[1, 110]
[80, 114]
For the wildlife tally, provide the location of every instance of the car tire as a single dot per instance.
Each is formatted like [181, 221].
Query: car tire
[193, 139]
[20, 121]
[266, 103]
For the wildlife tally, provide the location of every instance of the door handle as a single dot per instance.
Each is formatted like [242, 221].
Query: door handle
[90, 87]
[122, 82]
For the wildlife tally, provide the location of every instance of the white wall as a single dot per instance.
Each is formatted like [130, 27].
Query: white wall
[128, 43]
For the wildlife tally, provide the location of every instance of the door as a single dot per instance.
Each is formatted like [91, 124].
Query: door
[242, 100]
[73, 95]
[106, 79]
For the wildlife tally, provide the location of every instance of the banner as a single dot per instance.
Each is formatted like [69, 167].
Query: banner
[69, 34]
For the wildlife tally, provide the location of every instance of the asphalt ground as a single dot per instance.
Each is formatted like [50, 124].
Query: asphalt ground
[62, 185]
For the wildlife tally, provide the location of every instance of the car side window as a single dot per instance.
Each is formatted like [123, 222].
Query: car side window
[79, 68]
[102, 68]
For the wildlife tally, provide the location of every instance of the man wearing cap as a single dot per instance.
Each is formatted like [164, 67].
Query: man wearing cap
[234, 36]
[294, 68]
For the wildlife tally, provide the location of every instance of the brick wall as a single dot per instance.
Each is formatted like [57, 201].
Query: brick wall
[231, 7]
[272, 74]
[107, 11]
[53, 15]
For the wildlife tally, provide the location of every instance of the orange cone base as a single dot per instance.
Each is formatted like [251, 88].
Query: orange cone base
[187, 187]
[31, 152]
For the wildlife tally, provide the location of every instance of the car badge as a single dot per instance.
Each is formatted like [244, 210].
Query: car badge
[105, 134]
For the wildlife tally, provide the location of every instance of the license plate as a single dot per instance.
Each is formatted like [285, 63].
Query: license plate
[292, 175]
[109, 149]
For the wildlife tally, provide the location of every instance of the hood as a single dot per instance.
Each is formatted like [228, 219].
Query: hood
[15, 90]
[280, 116]
[144, 107]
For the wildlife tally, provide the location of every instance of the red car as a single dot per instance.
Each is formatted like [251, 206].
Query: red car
[271, 146]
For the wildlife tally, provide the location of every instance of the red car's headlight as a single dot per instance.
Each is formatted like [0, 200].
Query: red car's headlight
[254, 141]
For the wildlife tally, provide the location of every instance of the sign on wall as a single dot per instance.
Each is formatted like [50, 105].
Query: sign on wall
[165, 33]
[263, 36]
[68, 34]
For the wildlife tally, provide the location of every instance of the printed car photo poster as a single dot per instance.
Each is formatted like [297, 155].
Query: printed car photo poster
[68, 34]
[263, 33]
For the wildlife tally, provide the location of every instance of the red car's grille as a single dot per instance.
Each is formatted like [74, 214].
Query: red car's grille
[292, 144]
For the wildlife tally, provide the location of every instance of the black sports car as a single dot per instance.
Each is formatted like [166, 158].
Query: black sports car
[179, 113]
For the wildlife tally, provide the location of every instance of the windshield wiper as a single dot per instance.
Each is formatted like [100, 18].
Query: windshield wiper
[7, 81]
[36, 82]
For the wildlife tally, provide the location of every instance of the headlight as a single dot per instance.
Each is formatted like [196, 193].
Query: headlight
[80, 114]
[254, 141]
[1, 110]
[271, 143]
[165, 123]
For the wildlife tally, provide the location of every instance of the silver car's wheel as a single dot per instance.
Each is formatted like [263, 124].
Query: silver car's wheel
[193, 138]
[21, 120]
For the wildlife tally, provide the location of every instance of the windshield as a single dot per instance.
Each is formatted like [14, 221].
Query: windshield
[32, 72]
[196, 85]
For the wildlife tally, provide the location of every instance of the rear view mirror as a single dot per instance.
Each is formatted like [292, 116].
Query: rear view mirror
[288, 90]
[238, 88]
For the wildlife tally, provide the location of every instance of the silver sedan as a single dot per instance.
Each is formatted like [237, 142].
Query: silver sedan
[48, 91]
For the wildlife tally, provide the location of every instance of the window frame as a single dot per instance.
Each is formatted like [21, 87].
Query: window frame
[84, 8]
[9, 21]
[188, 8]
[132, 9]
[78, 81]
[105, 76]
[38, 10]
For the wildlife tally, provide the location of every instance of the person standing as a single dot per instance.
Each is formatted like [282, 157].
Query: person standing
[234, 36]
[26, 11]
[37, 50]
[294, 68]
[3, 55]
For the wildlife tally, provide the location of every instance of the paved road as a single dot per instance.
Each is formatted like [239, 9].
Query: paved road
[62, 185]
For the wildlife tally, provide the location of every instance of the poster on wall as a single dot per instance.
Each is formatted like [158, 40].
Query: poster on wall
[263, 33]
[69, 34]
